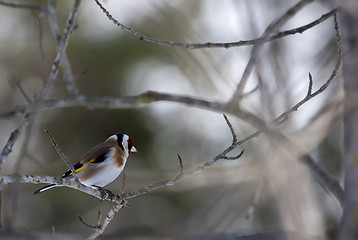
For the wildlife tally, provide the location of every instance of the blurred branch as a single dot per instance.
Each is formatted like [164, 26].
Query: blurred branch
[52, 76]
[98, 223]
[10, 214]
[62, 46]
[256, 50]
[327, 182]
[115, 103]
[255, 201]
[37, 7]
[16, 83]
[348, 17]
[152, 96]
[68, 78]
[241, 43]
[257, 235]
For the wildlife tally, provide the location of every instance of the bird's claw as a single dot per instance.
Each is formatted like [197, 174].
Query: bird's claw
[105, 193]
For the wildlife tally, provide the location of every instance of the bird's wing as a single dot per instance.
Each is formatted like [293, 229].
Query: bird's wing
[96, 154]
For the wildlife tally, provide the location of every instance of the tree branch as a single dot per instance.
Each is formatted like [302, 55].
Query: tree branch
[241, 43]
[68, 77]
[37, 7]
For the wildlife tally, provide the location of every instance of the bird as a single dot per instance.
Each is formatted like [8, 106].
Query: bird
[102, 164]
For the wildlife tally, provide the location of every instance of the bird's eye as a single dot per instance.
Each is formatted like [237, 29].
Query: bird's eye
[130, 143]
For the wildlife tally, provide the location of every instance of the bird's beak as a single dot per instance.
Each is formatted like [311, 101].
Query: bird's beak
[133, 149]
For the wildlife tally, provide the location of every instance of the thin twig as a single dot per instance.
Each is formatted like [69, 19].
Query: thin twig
[61, 154]
[16, 83]
[43, 55]
[97, 226]
[234, 157]
[180, 163]
[272, 37]
[99, 217]
[338, 36]
[234, 137]
[309, 91]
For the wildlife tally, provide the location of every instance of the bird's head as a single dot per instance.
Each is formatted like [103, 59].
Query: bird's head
[125, 142]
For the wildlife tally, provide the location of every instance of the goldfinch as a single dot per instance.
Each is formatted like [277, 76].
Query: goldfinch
[102, 164]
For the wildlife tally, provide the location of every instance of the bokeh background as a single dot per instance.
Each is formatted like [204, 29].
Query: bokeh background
[114, 63]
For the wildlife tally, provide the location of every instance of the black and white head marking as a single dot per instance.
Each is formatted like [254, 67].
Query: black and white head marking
[124, 141]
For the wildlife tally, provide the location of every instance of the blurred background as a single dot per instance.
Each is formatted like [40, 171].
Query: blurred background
[231, 197]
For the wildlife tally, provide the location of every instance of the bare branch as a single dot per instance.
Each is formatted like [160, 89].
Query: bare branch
[272, 37]
[13, 137]
[235, 157]
[97, 226]
[62, 45]
[65, 66]
[280, 119]
[309, 91]
[116, 103]
[234, 138]
[71, 183]
[180, 163]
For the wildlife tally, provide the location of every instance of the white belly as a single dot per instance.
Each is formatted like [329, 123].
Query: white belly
[101, 177]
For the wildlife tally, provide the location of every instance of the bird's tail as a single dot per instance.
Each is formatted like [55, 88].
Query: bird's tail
[45, 188]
